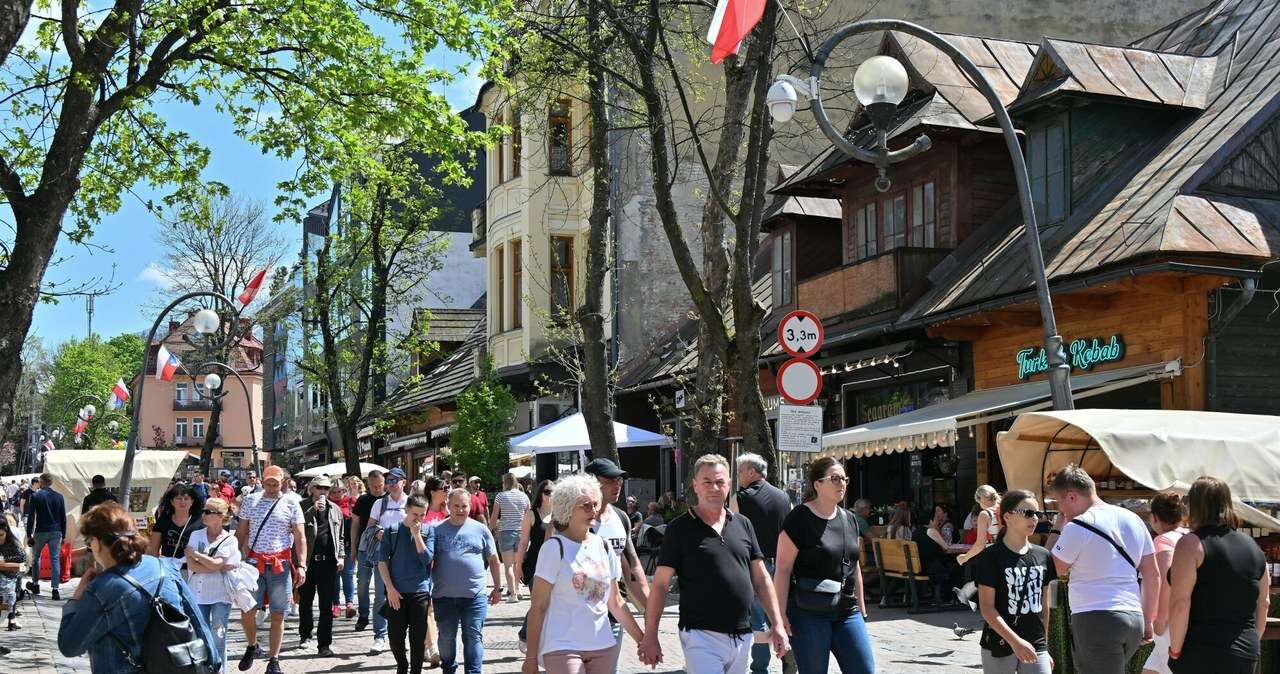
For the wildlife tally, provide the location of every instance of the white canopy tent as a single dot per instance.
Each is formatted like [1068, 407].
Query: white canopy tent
[23, 479]
[338, 469]
[1159, 449]
[570, 435]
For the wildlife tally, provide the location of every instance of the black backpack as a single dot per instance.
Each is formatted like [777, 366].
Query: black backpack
[171, 644]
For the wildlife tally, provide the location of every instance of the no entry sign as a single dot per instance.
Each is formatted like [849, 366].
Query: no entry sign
[800, 334]
[799, 381]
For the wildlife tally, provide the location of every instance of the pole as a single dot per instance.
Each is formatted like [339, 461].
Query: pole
[1059, 370]
[131, 447]
[248, 401]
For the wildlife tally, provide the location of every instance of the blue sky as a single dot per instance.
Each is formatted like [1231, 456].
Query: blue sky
[127, 238]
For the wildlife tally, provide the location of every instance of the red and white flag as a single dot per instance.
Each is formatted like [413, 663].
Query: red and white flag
[166, 364]
[81, 425]
[48, 445]
[119, 394]
[251, 290]
[731, 24]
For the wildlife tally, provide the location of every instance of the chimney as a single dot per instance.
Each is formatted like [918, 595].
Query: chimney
[173, 326]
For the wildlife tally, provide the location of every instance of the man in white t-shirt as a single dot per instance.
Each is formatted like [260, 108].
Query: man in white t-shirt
[385, 513]
[1105, 548]
[614, 527]
[271, 536]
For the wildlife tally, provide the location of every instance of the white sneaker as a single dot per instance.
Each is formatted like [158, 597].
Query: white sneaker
[379, 646]
[524, 647]
[303, 643]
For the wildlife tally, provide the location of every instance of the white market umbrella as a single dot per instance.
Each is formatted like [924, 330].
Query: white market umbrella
[570, 435]
[339, 469]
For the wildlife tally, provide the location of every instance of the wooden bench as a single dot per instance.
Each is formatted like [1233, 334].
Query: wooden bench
[899, 559]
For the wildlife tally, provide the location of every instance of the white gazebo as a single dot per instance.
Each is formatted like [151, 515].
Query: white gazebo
[570, 435]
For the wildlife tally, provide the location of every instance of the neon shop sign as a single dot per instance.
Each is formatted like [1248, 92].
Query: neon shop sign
[1083, 354]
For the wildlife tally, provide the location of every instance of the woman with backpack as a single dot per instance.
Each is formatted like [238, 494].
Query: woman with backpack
[818, 580]
[113, 614]
[575, 588]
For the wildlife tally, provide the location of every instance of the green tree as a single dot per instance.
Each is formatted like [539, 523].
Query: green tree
[319, 82]
[485, 410]
[86, 367]
[127, 349]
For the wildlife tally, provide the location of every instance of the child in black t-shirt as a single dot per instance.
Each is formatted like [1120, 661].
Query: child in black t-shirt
[1013, 592]
[12, 556]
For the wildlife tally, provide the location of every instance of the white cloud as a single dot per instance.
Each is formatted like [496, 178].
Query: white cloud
[156, 276]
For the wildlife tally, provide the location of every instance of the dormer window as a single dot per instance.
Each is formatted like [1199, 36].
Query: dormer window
[1047, 166]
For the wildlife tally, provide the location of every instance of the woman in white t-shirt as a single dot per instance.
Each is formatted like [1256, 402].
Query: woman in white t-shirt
[575, 588]
[211, 552]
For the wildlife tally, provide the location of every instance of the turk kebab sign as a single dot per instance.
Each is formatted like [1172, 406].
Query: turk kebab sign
[1083, 354]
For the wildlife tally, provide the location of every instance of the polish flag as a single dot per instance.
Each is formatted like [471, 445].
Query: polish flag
[166, 364]
[733, 20]
[48, 445]
[119, 394]
[81, 425]
[251, 290]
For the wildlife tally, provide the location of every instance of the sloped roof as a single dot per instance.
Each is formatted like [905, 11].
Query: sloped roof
[1164, 78]
[1153, 204]
[448, 325]
[942, 96]
[444, 381]
[814, 207]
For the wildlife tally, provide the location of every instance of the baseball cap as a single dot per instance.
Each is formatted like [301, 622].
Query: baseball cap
[273, 473]
[322, 481]
[604, 468]
[395, 475]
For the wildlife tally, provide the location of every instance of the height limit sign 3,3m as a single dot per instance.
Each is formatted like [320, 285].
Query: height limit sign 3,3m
[799, 380]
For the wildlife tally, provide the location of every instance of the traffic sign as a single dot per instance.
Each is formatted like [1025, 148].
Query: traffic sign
[799, 428]
[800, 334]
[799, 381]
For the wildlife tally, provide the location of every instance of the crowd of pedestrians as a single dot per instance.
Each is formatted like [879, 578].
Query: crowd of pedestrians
[757, 578]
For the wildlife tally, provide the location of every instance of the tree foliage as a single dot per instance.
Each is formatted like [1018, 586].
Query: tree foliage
[479, 439]
[83, 372]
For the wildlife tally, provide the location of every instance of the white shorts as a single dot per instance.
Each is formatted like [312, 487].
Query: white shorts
[1158, 661]
[715, 652]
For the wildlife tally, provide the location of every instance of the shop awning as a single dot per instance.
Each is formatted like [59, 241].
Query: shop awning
[1159, 449]
[936, 425]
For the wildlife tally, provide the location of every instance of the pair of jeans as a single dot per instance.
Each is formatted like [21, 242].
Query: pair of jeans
[218, 616]
[52, 539]
[369, 570]
[320, 578]
[344, 584]
[759, 623]
[816, 636]
[411, 619]
[469, 614]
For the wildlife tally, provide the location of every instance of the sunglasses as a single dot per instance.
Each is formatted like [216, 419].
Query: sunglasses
[212, 512]
[1029, 513]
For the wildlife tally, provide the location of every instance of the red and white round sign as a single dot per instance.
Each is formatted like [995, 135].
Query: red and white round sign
[800, 334]
[799, 381]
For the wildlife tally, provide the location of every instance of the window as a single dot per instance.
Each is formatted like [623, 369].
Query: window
[180, 391]
[500, 153]
[201, 393]
[924, 227]
[515, 143]
[782, 269]
[197, 427]
[559, 139]
[501, 295]
[864, 228]
[561, 276]
[180, 428]
[517, 285]
[1046, 164]
[894, 232]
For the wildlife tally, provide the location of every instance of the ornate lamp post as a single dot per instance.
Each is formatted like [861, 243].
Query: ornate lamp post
[880, 84]
[206, 323]
[89, 412]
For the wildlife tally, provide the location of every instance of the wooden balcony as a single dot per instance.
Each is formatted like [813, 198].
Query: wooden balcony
[886, 282]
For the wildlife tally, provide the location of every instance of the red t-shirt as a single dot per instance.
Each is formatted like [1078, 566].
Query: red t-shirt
[345, 502]
[479, 505]
[433, 516]
[228, 492]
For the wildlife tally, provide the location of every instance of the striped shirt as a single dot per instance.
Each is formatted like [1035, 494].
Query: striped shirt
[511, 504]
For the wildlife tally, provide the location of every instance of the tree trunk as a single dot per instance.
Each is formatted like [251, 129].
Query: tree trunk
[596, 393]
[14, 15]
[210, 432]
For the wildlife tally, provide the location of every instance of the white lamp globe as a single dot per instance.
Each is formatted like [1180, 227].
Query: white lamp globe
[114, 426]
[782, 101]
[206, 321]
[90, 410]
[880, 79]
[212, 381]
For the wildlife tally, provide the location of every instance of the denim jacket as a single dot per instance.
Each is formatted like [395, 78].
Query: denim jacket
[113, 606]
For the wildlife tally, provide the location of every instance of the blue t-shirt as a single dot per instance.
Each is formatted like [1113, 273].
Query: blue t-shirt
[459, 553]
[410, 571]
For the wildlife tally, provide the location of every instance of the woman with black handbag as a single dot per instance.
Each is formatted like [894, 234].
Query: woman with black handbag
[819, 581]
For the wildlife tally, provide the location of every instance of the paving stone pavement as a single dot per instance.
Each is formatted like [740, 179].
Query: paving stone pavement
[904, 644]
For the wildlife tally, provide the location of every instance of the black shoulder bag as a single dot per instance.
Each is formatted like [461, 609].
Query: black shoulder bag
[1119, 548]
[826, 595]
[171, 643]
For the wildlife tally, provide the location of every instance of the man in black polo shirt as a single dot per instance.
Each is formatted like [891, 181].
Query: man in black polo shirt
[718, 560]
[766, 507]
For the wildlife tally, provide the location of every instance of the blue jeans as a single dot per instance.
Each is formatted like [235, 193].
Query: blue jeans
[276, 589]
[470, 614]
[815, 636]
[53, 539]
[345, 583]
[218, 615]
[367, 570]
[760, 623]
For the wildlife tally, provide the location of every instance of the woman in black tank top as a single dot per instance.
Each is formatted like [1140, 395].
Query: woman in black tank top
[533, 531]
[1220, 589]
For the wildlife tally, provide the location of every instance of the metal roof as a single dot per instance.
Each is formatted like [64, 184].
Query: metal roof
[443, 382]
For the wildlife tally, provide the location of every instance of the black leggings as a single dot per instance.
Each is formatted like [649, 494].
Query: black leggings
[411, 618]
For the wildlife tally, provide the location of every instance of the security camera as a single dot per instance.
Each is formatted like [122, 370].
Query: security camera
[782, 101]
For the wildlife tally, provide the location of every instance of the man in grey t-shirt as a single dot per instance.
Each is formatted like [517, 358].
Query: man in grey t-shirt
[460, 546]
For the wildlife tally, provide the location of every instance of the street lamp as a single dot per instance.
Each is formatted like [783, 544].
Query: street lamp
[880, 84]
[212, 381]
[206, 321]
